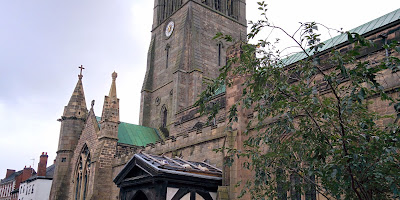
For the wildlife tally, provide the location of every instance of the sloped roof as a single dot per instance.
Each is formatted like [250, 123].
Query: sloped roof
[178, 164]
[163, 166]
[220, 90]
[50, 171]
[11, 177]
[49, 174]
[135, 134]
[342, 38]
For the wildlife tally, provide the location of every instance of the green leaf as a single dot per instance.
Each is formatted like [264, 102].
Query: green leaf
[350, 37]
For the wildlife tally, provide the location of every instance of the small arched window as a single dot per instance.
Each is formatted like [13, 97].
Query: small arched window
[220, 47]
[164, 117]
[167, 55]
[232, 8]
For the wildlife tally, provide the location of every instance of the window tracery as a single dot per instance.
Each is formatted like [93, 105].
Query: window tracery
[82, 174]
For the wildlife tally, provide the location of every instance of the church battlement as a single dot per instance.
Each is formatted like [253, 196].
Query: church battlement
[200, 133]
[186, 140]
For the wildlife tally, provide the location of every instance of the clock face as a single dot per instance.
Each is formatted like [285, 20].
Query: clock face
[169, 29]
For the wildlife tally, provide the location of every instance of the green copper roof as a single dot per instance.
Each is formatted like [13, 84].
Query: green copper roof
[136, 135]
[220, 90]
[363, 29]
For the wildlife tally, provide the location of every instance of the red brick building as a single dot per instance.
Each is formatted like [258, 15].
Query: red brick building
[9, 186]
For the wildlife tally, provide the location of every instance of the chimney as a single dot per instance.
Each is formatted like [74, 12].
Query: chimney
[9, 172]
[27, 173]
[42, 164]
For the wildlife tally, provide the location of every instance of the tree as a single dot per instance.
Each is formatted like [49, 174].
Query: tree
[313, 128]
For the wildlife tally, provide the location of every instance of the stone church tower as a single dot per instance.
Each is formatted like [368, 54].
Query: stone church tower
[87, 147]
[72, 124]
[183, 55]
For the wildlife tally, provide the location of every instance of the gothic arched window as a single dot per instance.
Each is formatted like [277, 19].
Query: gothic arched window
[232, 8]
[220, 47]
[166, 8]
[167, 55]
[82, 174]
[161, 10]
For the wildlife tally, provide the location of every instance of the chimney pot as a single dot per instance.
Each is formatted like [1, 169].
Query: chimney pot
[26, 173]
[42, 165]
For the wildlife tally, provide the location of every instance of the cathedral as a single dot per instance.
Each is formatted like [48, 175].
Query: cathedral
[182, 57]
[95, 154]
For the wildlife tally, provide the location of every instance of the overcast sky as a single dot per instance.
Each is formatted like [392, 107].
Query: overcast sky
[42, 43]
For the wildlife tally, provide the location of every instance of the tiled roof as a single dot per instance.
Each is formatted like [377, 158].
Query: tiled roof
[50, 171]
[363, 29]
[49, 174]
[135, 134]
[11, 177]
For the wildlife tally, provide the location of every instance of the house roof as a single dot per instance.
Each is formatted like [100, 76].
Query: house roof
[342, 38]
[11, 177]
[49, 174]
[163, 166]
[135, 134]
[50, 171]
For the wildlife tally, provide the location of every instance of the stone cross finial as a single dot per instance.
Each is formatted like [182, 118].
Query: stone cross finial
[92, 104]
[80, 75]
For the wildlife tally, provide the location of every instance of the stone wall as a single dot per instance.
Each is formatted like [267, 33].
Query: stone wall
[387, 78]
[192, 59]
[88, 138]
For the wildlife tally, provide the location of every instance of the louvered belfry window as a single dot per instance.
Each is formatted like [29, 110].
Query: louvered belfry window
[166, 8]
[227, 7]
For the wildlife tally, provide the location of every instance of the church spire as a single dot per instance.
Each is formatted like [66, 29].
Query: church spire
[113, 89]
[76, 107]
[72, 125]
[111, 103]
